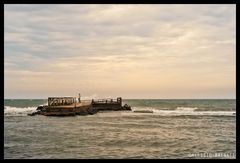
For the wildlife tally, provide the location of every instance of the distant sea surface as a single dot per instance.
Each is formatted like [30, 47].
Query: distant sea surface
[173, 129]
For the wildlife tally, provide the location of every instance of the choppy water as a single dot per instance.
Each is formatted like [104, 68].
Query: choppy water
[175, 129]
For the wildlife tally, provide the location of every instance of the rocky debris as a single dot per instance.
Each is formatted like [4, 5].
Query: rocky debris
[127, 107]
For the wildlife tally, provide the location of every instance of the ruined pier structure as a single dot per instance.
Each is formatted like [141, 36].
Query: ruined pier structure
[57, 101]
[61, 101]
[66, 106]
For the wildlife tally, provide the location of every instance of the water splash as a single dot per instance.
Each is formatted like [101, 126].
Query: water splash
[17, 111]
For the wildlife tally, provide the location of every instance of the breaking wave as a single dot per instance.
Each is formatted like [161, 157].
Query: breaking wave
[187, 109]
[179, 111]
[17, 111]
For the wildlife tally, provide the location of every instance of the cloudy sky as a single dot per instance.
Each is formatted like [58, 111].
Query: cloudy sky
[133, 51]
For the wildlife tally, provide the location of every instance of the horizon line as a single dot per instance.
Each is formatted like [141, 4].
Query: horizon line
[134, 98]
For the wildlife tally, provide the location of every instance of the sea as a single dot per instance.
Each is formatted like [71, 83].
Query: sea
[154, 129]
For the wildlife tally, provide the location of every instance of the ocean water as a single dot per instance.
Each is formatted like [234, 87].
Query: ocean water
[188, 129]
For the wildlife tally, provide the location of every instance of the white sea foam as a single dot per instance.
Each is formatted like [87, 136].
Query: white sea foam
[16, 111]
[187, 109]
[181, 111]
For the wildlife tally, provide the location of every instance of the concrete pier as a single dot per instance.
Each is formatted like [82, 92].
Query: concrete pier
[68, 106]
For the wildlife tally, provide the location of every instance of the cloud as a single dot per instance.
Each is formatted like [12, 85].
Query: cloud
[128, 48]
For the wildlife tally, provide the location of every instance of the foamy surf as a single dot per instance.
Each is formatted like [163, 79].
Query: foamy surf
[16, 111]
[187, 109]
[179, 111]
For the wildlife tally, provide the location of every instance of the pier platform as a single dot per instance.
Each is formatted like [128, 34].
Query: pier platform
[68, 106]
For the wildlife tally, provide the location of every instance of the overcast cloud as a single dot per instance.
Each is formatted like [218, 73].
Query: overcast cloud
[133, 51]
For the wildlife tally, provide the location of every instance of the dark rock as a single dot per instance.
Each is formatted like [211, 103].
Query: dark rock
[127, 107]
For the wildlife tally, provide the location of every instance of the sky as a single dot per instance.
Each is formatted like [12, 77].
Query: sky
[107, 51]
